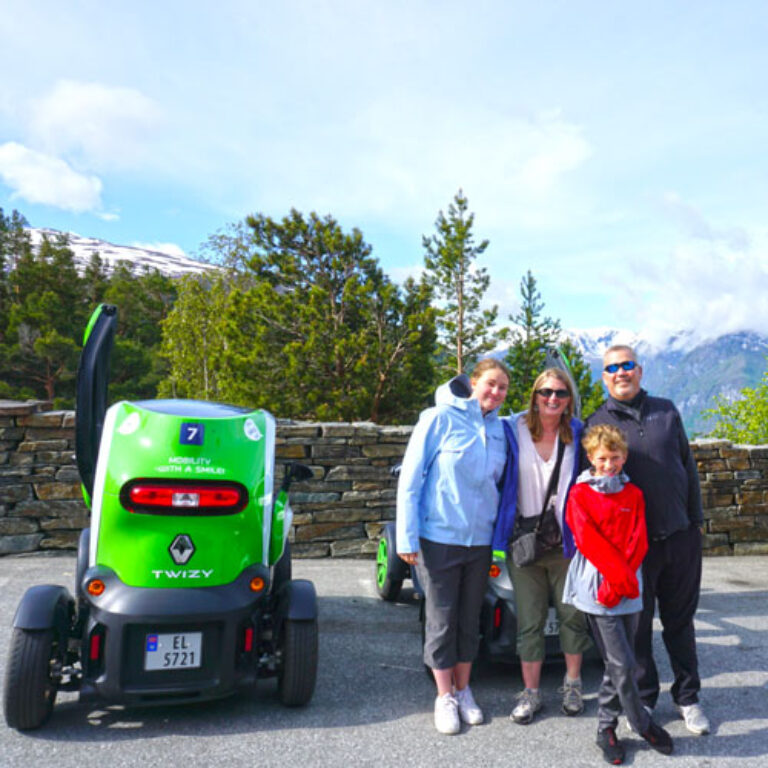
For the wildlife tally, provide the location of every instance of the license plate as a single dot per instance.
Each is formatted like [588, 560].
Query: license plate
[180, 650]
[552, 626]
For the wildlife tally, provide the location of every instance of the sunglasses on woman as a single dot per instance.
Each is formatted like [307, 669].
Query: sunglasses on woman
[560, 394]
[627, 365]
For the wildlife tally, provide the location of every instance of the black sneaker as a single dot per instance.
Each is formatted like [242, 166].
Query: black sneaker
[613, 750]
[658, 738]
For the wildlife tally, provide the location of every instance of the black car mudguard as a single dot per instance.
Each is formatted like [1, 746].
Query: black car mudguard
[46, 606]
[296, 600]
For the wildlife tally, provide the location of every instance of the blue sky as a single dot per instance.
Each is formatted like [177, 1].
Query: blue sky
[615, 149]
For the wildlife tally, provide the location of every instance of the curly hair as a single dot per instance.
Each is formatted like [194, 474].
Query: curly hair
[604, 436]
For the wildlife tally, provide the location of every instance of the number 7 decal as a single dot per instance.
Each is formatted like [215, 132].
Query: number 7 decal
[191, 433]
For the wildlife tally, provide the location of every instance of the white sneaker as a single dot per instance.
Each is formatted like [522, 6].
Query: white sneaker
[695, 719]
[447, 714]
[469, 712]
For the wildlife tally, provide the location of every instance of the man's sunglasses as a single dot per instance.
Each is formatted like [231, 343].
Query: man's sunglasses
[627, 365]
[560, 394]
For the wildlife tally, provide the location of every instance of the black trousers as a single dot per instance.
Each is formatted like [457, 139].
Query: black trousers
[454, 580]
[671, 579]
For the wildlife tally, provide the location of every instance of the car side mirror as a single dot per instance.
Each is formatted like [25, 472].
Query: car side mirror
[296, 471]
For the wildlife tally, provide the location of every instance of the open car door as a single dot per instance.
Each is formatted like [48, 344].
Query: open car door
[92, 383]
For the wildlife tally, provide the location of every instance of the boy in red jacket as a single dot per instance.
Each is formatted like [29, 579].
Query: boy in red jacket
[607, 516]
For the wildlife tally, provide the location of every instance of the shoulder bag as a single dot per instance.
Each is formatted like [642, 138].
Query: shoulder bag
[534, 536]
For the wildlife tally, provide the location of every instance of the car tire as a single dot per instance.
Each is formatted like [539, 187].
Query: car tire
[390, 569]
[30, 688]
[298, 668]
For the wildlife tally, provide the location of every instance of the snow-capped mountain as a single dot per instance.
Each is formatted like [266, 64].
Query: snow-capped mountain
[688, 371]
[142, 259]
[684, 368]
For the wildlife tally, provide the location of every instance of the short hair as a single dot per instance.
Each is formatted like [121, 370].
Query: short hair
[604, 436]
[532, 418]
[619, 348]
[489, 364]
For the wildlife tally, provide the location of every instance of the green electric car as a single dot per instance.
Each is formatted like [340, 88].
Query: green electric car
[183, 588]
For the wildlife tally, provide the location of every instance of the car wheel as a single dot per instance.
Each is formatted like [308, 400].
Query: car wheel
[389, 573]
[298, 667]
[30, 678]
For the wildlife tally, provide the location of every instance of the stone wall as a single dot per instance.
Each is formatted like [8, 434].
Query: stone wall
[340, 511]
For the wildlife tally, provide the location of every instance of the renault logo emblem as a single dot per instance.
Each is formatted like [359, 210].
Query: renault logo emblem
[181, 549]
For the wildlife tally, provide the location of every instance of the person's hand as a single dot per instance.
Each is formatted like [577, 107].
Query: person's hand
[409, 557]
[607, 595]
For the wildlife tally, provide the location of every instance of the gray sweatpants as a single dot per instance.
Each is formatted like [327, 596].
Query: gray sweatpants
[454, 580]
[615, 638]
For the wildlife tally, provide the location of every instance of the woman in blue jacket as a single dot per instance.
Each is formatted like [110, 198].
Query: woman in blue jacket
[534, 437]
[447, 497]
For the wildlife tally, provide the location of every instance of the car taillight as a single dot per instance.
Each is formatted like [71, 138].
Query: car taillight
[161, 497]
[95, 651]
[97, 641]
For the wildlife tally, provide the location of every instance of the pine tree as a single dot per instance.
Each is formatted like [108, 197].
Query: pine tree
[531, 335]
[311, 326]
[459, 285]
[193, 341]
[46, 318]
[143, 301]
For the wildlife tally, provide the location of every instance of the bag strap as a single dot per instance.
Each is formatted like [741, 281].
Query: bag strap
[553, 480]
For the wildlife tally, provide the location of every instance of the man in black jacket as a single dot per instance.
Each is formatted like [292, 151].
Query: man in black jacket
[661, 464]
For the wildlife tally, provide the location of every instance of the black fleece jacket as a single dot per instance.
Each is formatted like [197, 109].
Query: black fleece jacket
[660, 461]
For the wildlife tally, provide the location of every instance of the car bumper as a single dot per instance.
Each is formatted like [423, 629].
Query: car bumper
[235, 634]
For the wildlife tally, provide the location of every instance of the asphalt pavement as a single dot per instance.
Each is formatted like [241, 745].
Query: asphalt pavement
[373, 702]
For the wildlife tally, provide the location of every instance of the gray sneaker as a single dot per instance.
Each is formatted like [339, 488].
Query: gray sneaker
[573, 703]
[695, 719]
[528, 704]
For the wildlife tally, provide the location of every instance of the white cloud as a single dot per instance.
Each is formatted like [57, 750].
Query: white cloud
[706, 285]
[402, 158]
[41, 178]
[96, 125]
[692, 222]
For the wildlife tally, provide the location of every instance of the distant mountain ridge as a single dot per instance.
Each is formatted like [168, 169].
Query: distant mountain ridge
[689, 372]
[142, 259]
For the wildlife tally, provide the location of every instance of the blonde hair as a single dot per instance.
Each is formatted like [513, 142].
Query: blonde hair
[604, 436]
[532, 418]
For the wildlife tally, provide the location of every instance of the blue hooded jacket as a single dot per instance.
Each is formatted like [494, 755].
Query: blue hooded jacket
[505, 522]
[448, 490]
